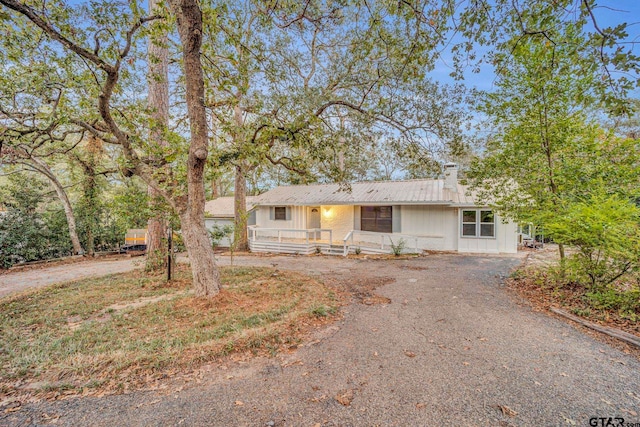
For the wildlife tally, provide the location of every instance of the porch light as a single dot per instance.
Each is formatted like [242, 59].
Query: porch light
[327, 212]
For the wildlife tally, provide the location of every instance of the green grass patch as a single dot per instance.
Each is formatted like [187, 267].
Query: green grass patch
[128, 328]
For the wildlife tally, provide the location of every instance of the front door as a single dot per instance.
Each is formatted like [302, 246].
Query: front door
[314, 219]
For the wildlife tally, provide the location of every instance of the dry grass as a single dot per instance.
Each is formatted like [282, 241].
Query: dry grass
[125, 330]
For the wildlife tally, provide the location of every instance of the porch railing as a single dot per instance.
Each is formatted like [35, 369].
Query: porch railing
[309, 235]
[390, 239]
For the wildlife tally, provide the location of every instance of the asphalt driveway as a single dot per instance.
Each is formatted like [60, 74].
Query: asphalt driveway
[453, 347]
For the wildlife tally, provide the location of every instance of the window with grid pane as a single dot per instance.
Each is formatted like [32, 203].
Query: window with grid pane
[469, 223]
[478, 223]
[487, 224]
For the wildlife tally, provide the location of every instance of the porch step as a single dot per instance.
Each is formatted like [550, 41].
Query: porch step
[304, 249]
[333, 250]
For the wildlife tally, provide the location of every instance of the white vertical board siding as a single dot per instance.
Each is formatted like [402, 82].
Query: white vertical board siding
[507, 236]
[435, 225]
[339, 218]
[298, 220]
[505, 240]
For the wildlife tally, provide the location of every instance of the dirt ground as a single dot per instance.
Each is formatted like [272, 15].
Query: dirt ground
[445, 344]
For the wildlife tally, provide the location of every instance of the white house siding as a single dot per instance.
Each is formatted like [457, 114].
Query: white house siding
[298, 221]
[508, 237]
[436, 226]
[505, 240]
[339, 218]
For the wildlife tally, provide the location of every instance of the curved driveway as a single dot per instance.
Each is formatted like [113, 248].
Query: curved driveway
[16, 281]
[452, 348]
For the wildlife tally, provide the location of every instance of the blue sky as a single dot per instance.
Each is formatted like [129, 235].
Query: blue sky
[608, 13]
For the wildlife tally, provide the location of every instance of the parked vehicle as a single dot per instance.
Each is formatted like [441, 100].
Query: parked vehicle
[133, 248]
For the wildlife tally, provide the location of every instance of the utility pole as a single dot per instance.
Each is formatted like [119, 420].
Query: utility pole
[169, 254]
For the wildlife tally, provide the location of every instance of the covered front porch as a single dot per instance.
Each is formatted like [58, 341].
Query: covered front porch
[322, 240]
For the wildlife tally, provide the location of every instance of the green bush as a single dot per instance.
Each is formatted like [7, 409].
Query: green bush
[398, 248]
[219, 232]
[29, 231]
[605, 230]
[627, 303]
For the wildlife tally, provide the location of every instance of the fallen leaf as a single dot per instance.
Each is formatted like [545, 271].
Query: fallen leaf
[409, 353]
[52, 418]
[507, 411]
[13, 407]
[239, 403]
[345, 397]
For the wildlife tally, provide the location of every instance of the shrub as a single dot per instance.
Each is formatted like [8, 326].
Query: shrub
[627, 303]
[605, 229]
[399, 247]
[219, 232]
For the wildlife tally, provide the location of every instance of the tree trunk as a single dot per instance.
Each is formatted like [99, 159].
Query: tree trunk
[206, 280]
[43, 168]
[157, 58]
[215, 188]
[156, 228]
[71, 219]
[90, 199]
[240, 239]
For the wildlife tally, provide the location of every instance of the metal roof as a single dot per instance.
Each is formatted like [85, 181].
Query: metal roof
[223, 207]
[418, 192]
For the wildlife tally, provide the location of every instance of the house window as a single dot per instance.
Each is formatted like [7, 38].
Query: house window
[280, 213]
[469, 223]
[376, 218]
[478, 223]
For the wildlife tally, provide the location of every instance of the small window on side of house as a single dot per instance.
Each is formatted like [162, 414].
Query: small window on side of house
[469, 223]
[478, 223]
[487, 224]
[280, 213]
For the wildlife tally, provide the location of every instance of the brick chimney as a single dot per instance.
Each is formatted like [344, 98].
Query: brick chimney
[451, 177]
